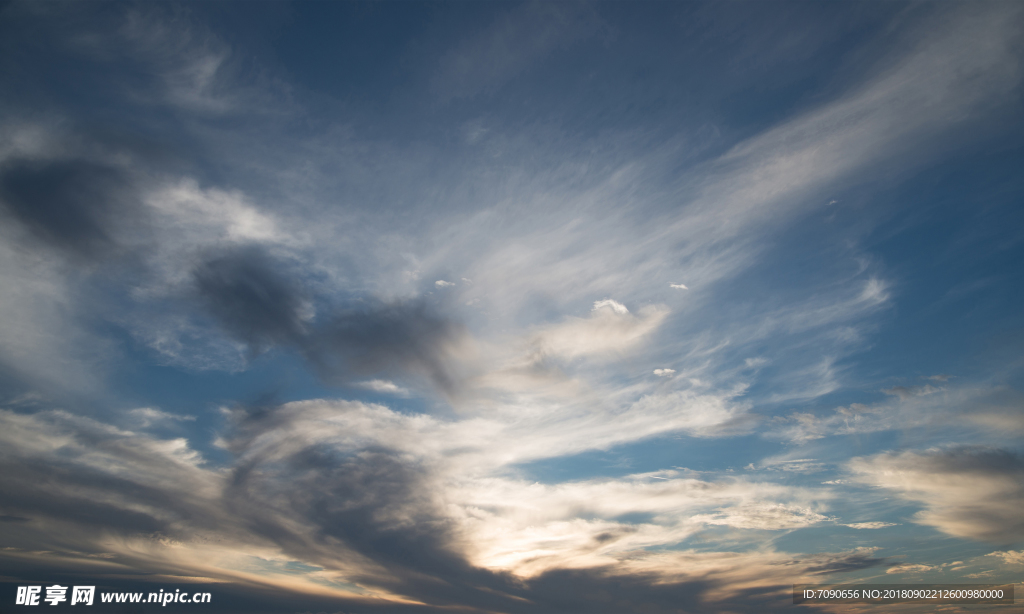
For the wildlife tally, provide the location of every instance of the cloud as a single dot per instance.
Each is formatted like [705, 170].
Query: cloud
[766, 517]
[967, 492]
[384, 386]
[212, 215]
[610, 329]
[188, 65]
[918, 568]
[796, 465]
[439, 510]
[70, 204]
[980, 412]
[382, 337]
[243, 289]
[376, 512]
[1010, 557]
[869, 525]
[107, 475]
[257, 303]
[911, 569]
[609, 304]
[678, 286]
[905, 392]
[145, 417]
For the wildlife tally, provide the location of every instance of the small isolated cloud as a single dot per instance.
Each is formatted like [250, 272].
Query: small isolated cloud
[678, 286]
[1010, 557]
[608, 303]
[444, 284]
[916, 568]
[384, 386]
[869, 525]
[939, 378]
[664, 372]
[837, 482]
[912, 569]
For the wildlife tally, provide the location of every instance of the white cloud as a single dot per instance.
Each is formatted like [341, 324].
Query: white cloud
[211, 215]
[1010, 557]
[918, 568]
[678, 286]
[974, 493]
[40, 343]
[611, 328]
[980, 412]
[911, 569]
[384, 386]
[444, 284]
[148, 416]
[770, 516]
[868, 525]
[608, 303]
[664, 372]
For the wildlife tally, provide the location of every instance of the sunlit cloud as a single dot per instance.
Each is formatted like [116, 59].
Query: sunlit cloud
[949, 483]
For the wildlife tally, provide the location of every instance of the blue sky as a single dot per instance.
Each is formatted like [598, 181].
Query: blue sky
[511, 307]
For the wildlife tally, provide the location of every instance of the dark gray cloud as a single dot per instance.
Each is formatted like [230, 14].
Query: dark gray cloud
[980, 460]
[257, 301]
[251, 298]
[844, 562]
[371, 501]
[70, 204]
[39, 484]
[402, 336]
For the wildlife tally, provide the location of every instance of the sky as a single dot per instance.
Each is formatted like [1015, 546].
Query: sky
[491, 307]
